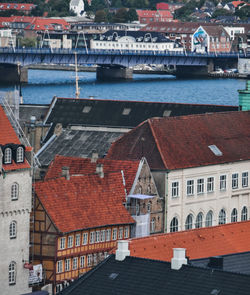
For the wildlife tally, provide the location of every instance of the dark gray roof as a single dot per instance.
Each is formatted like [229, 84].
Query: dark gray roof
[77, 143]
[28, 110]
[239, 262]
[136, 276]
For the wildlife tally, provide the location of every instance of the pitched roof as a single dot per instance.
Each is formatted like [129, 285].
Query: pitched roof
[162, 5]
[187, 141]
[84, 166]
[84, 201]
[237, 3]
[154, 13]
[138, 276]
[199, 243]
[17, 6]
[51, 24]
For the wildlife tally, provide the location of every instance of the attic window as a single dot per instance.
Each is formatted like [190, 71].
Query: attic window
[166, 113]
[86, 109]
[113, 276]
[215, 292]
[215, 150]
[126, 111]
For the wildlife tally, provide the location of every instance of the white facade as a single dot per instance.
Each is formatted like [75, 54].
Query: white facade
[234, 30]
[244, 66]
[199, 192]
[77, 6]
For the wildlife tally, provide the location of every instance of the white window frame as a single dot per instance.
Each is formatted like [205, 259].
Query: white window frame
[70, 241]
[13, 230]
[234, 215]
[75, 263]
[126, 232]
[19, 155]
[244, 213]
[82, 261]
[174, 225]
[108, 235]
[59, 268]
[210, 184]
[92, 237]
[78, 240]
[200, 186]
[14, 191]
[67, 264]
[235, 180]
[244, 179]
[12, 273]
[62, 243]
[103, 235]
[175, 189]
[95, 259]
[114, 234]
[199, 220]
[152, 225]
[7, 156]
[120, 233]
[209, 219]
[89, 260]
[85, 238]
[223, 182]
[97, 236]
[190, 187]
[222, 217]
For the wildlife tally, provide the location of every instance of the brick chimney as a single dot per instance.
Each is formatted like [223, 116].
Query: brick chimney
[122, 250]
[99, 170]
[65, 172]
[179, 258]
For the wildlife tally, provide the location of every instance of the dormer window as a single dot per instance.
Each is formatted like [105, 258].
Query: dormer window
[20, 155]
[7, 156]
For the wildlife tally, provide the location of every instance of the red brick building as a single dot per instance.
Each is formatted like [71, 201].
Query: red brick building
[149, 16]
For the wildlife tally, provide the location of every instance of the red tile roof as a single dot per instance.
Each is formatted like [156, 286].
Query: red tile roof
[154, 13]
[8, 136]
[182, 142]
[162, 6]
[84, 166]
[17, 6]
[199, 243]
[237, 3]
[84, 202]
[42, 24]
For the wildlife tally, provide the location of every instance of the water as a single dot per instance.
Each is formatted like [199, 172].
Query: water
[43, 85]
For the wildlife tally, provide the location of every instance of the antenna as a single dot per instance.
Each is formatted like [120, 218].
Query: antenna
[77, 88]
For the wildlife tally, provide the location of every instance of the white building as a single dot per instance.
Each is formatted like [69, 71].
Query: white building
[15, 208]
[77, 6]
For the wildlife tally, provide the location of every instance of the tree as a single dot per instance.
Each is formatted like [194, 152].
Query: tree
[27, 42]
[243, 13]
[132, 15]
[100, 16]
[120, 16]
[219, 12]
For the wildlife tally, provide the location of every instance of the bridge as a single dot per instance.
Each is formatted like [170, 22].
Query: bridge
[117, 63]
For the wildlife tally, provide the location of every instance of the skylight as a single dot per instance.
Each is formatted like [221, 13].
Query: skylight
[126, 111]
[215, 150]
[166, 113]
[113, 275]
[86, 109]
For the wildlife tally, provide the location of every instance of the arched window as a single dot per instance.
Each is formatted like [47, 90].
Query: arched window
[152, 225]
[14, 191]
[19, 155]
[209, 218]
[140, 189]
[7, 156]
[189, 222]
[149, 206]
[199, 220]
[174, 225]
[222, 216]
[234, 215]
[12, 273]
[244, 213]
[13, 230]
[149, 189]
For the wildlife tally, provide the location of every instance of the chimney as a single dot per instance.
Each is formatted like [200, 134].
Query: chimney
[215, 262]
[65, 172]
[179, 258]
[94, 156]
[99, 170]
[122, 250]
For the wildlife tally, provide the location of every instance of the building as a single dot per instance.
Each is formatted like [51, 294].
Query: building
[205, 184]
[149, 16]
[25, 8]
[123, 274]
[77, 6]
[77, 221]
[15, 208]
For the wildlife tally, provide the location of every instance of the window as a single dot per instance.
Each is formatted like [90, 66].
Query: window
[14, 191]
[244, 179]
[200, 186]
[223, 182]
[152, 225]
[95, 259]
[149, 189]
[12, 273]
[70, 241]
[189, 222]
[222, 216]
[62, 243]
[19, 155]
[75, 263]
[92, 237]
[120, 234]
[7, 156]
[97, 236]
[199, 220]
[149, 206]
[82, 261]
[190, 187]
[67, 264]
[234, 216]
[103, 235]
[108, 234]
[210, 184]
[59, 266]
[174, 225]
[126, 232]
[13, 229]
[209, 219]
[235, 177]
[78, 240]
[175, 189]
[114, 234]
[85, 238]
[244, 213]
[89, 260]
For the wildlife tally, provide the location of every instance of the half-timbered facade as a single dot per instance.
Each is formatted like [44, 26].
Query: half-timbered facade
[77, 221]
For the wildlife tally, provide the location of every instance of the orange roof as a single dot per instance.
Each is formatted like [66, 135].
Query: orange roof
[199, 243]
[237, 3]
[154, 13]
[17, 6]
[51, 24]
[84, 166]
[84, 202]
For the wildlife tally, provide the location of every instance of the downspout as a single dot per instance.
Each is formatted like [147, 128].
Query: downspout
[166, 201]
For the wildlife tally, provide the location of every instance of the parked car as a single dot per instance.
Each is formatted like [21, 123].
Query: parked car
[219, 71]
[231, 71]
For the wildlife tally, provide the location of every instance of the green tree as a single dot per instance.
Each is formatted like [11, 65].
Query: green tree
[120, 16]
[27, 42]
[132, 15]
[243, 13]
[219, 12]
[100, 16]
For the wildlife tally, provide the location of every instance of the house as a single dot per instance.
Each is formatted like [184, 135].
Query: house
[123, 274]
[211, 39]
[77, 6]
[142, 201]
[15, 208]
[77, 221]
[149, 16]
[200, 164]
[26, 8]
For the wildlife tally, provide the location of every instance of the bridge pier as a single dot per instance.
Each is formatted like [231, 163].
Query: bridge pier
[9, 73]
[194, 71]
[113, 73]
